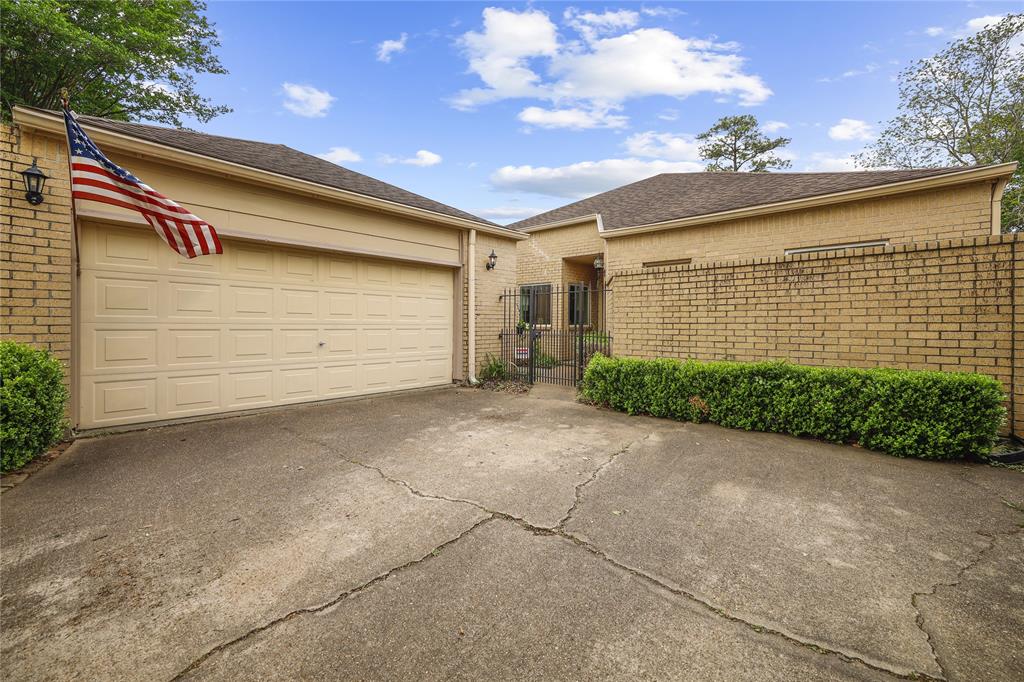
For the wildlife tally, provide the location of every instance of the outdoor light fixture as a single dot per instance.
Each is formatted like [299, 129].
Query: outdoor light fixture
[492, 260]
[34, 181]
[599, 263]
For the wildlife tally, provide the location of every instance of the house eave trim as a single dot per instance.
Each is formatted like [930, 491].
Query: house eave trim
[579, 220]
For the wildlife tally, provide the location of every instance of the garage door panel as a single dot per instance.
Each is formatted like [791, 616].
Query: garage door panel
[250, 262]
[437, 370]
[375, 376]
[298, 267]
[339, 343]
[339, 305]
[297, 344]
[249, 303]
[120, 298]
[376, 274]
[124, 249]
[250, 389]
[339, 272]
[250, 345]
[297, 385]
[190, 346]
[192, 300]
[120, 401]
[298, 304]
[192, 394]
[163, 337]
[105, 349]
[375, 307]
[338, 380]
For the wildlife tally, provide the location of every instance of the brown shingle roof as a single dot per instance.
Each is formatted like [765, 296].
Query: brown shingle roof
[671, 196]
[277, 158]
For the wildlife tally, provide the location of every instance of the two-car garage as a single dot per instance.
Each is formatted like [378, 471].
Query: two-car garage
[163, 337]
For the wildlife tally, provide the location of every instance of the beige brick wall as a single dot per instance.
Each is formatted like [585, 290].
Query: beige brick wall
[540, 256]
[490, 284]
[951, 305]
[949, 213]
[35, 245]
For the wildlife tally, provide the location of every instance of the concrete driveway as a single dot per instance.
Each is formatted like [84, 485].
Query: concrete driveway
[463, 534]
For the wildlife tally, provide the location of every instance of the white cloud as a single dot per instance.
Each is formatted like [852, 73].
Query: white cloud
[158, 87]
[499, 55]
[661, 12]
[307, 101]
[851, 73]
[653, 61]
[664, 146]
[340, 155]
[773, 126]
[669, 115]
[591, 25]
[934, 31]
[978, 23]
[574, 118]
[388, 48]
[586, 178]
[519, 55]
[825, 163]
[508, 214]
[851, 129]
[421, 158]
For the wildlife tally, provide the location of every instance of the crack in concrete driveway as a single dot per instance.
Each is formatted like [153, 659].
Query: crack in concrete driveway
[457, 525]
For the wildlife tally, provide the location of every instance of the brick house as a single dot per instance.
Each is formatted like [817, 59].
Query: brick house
[698, 218]
[332, 283]
[875, 268]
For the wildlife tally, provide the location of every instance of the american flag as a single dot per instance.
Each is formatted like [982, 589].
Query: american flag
[97, 178]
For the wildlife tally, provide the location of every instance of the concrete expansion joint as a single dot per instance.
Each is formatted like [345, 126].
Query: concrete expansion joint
[970, 565]
[306, 610]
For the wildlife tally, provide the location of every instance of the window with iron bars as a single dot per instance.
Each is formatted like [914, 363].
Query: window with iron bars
[535, 303]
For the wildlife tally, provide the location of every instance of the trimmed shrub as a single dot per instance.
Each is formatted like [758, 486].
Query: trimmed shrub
[32, 399]
[931, 415]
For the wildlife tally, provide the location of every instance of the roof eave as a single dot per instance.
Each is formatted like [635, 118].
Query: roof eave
[590, 217]
[984, 173]
[35, 119]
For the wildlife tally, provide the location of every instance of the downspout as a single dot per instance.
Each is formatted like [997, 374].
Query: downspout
[471, 322]
[997, 204]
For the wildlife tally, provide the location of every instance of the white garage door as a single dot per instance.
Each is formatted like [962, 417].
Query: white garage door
[163, 338]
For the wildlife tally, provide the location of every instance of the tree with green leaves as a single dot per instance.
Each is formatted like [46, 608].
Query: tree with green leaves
[963, 107]
[736, 143]
[120, 59]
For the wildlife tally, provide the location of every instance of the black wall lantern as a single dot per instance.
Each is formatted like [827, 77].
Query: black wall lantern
[599, 263]
[492, 260]
[34, 181]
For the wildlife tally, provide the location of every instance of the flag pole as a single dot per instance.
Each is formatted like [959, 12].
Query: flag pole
[74, 215]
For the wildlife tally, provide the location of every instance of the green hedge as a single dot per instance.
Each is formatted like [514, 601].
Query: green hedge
[32, 399]
[931, 415]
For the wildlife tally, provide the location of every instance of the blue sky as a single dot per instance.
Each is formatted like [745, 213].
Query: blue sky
[505, 110]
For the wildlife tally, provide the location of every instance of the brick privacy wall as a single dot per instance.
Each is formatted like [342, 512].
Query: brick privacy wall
[949, 213]
[540, 256]
[946, 305]
[490, 284]
[35, 246]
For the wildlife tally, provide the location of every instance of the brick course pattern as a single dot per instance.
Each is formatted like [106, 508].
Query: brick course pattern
[35, 246]
[950, 213]
[539, 258]
[950, 305]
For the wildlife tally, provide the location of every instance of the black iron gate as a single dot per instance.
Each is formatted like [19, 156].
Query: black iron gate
[549, 334]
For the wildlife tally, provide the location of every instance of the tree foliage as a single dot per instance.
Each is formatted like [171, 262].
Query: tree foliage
[121, 59]
[735, 143]
[964, 106]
